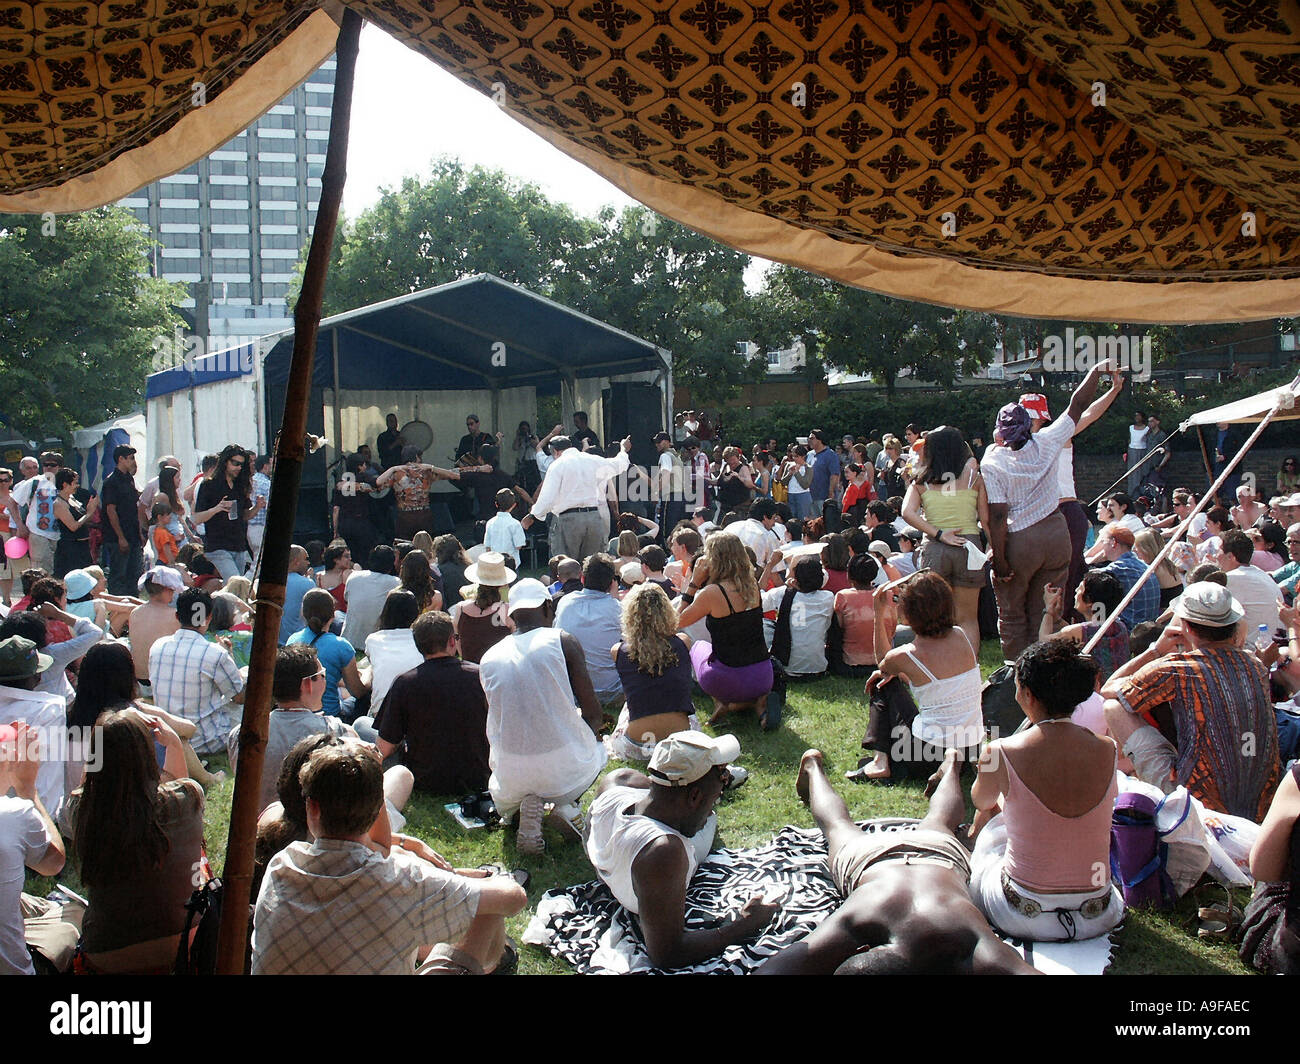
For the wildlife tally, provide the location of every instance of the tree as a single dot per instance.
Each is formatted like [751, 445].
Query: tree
[79, 318]
[666, 283]
[455, 224]
[866, 333]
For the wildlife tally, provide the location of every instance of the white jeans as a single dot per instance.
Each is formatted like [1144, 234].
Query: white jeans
[229, 563]
[986, 890]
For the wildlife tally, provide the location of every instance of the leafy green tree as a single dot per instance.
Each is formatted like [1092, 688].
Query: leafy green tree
[666, 283]
[876, 335]
[78, 318]
[455, 224]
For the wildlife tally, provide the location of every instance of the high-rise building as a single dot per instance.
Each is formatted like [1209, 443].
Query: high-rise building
[231, 225]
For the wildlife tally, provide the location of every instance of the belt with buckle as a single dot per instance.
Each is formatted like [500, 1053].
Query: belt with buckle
[578, 510]
[1089, 909]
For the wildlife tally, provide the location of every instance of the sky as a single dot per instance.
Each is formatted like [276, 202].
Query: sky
[440, 115]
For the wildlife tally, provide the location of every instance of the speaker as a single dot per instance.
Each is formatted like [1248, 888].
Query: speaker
[635, 408]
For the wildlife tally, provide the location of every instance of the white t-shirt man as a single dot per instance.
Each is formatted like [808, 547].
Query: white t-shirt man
[38, 495]
[364, 593]
[24, 840]
[1259, 596]
[757, 537]
[810, 620]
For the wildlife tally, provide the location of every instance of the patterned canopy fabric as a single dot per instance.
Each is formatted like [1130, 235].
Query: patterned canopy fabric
[1132, 160]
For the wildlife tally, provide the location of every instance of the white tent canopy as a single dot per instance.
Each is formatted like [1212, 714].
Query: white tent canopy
[1252, 409]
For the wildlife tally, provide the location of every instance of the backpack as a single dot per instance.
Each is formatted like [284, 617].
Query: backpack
[199, 957]
[1002, 713]
[1138, 856]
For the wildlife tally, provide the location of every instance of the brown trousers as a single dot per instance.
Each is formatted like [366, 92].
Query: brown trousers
[1039, 555]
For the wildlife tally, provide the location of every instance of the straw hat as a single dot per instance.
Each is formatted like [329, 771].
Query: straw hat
[490, 570]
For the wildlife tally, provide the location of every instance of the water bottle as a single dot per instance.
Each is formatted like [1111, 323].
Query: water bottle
[233, 512]
[1262, 639]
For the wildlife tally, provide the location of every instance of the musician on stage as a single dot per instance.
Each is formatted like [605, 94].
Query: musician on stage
[472, 442]
[390, 444]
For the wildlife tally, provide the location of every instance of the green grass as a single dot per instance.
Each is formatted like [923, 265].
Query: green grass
[829, 714]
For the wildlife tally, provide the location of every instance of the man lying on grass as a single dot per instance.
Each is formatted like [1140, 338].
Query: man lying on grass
[648, 835]
[908, 908]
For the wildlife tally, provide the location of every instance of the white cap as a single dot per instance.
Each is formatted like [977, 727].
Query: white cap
[528, 594]
[685, 757]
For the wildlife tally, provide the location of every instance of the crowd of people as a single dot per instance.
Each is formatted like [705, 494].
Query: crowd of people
[415, 658]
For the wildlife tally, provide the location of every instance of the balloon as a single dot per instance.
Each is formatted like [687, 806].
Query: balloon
[15, 548]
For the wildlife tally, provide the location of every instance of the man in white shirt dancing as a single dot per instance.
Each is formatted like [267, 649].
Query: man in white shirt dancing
[574, 490]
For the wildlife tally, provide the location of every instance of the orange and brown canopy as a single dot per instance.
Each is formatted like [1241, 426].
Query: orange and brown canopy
[933, 149]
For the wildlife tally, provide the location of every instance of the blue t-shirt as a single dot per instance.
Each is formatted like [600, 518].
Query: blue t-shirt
[825, 466]
[334, 654]
[291, 620]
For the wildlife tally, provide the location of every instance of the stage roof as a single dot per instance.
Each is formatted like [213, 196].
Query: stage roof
[445, 339]
[942, 150]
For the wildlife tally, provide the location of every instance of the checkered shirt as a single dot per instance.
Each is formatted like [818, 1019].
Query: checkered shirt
[335, 907]
[1026, 479]
[262, 487]
[196, 680]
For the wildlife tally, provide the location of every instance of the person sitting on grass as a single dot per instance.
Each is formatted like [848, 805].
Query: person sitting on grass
[543, 720]
[733, 666]
[297, 687]
[435, 716]
[1096, 598]
[803, 618]
[654, 665]
[855, 611]
[1271, 927]
[1041, 866]
[650, 832]
[1182, 711]
[138, 840]
[336, 907]
[941, 671]
[907, 907]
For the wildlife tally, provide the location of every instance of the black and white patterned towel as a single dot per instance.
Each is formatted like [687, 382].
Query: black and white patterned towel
[586, 926]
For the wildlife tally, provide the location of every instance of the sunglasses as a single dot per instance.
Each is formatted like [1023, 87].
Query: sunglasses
[317, 675]
[51, 465]
[238, 464]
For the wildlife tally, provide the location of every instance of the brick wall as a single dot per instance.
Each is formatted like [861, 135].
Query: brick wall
[1093, 474]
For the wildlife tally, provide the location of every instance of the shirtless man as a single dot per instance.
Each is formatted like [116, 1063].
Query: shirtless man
[155, 619]
[907, 907]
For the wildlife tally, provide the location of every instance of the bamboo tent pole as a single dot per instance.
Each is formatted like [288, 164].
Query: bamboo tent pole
[1182, 529]
[290, 451]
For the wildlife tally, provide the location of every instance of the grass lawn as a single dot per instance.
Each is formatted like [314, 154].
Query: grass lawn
[830, 715]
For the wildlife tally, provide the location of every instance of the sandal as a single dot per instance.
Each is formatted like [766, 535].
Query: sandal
[1218, 919]
[859, 775]
[770, 718]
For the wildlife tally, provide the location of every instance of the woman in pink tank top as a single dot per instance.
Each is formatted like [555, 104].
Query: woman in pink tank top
[1041, 866]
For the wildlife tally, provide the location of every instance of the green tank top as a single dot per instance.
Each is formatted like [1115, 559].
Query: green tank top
[952, 511]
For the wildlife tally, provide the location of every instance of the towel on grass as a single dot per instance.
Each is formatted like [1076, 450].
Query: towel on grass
[587, 927]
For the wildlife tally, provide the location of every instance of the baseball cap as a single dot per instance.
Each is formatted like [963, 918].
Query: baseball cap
[20, 659]
[122, 451]
[689, 442]
[879, 546]
[632, 573]
[659, 437]
[685, 757]
[528, 594]
[1209, 604]
[163, 576]
[1291, 500]
[1036, 404]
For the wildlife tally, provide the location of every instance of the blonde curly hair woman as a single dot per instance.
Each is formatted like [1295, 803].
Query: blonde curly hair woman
[733, 666]
[654, 666]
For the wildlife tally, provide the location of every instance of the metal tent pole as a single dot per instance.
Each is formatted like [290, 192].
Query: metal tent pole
[289, 454]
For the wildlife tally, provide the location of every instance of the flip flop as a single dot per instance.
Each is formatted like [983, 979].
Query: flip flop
[859, 775]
